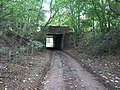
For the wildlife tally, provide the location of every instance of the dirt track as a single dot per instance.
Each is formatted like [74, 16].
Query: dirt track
[67, 74]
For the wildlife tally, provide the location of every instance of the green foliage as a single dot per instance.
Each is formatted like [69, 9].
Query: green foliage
[107, 43]
[2, 49]
[19, 19]
[93, 20]
[35, 44]
[23, 49]
[97, 18]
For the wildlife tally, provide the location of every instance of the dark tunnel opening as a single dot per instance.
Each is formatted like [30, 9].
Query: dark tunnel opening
[54, 41]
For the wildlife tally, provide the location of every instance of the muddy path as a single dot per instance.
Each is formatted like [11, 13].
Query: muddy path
[67, 74]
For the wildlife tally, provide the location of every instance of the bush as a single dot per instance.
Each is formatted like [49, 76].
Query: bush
[106, 43]
[35, 44]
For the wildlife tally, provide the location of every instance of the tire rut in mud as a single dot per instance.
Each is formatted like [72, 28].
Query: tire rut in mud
[54, 78]
[76, 77]
[71, 79]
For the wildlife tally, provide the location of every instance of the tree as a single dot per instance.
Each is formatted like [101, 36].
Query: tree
[19, 20]
[97, 16]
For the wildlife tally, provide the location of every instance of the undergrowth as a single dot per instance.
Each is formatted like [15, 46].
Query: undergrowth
[107, 43]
